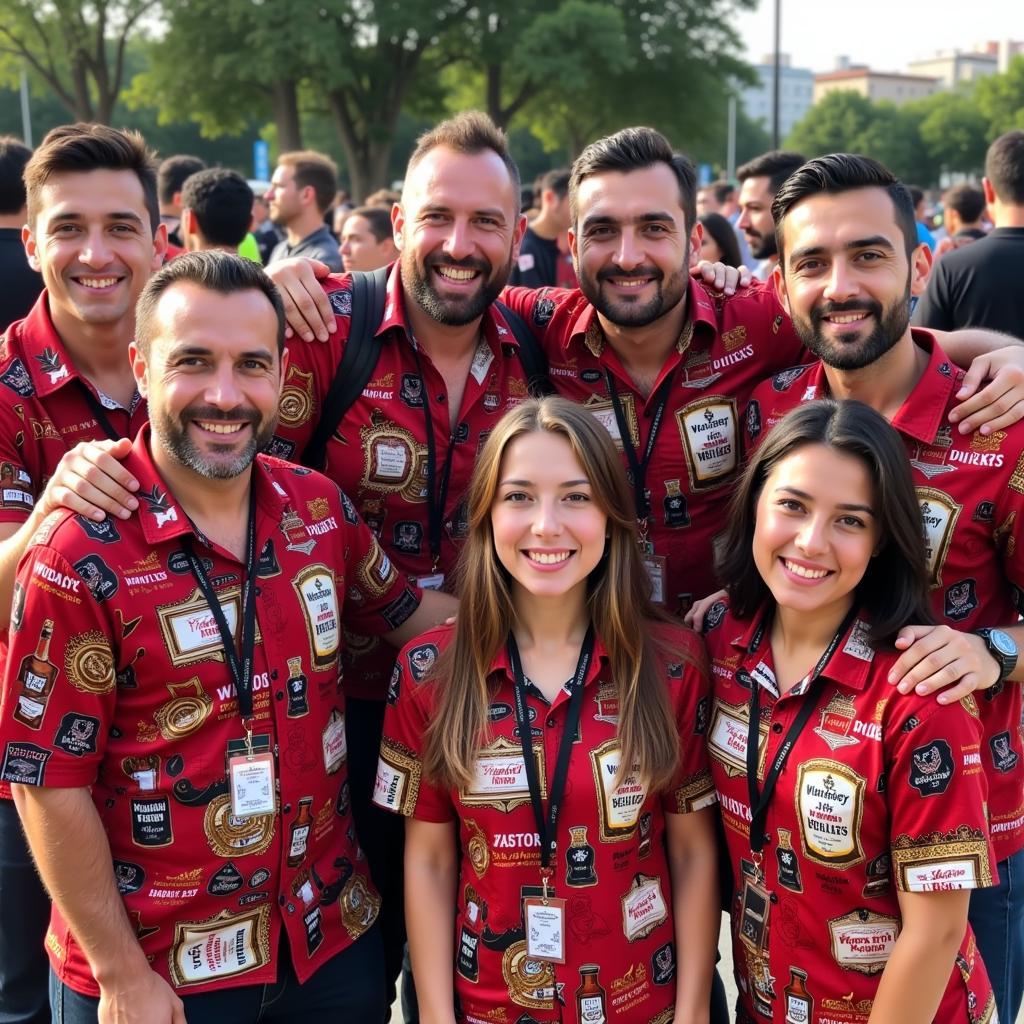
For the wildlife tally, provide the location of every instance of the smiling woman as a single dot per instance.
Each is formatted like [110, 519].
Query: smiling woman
[820, 764]
[612, 796]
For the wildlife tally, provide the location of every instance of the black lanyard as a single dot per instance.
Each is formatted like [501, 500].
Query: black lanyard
[240, 665]
[546, 826]
[637, 466]
[437, 497]
[759, 801]
[99, 413]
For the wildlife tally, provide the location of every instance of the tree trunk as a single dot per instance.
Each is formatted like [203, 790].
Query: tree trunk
[285, 104]
[497, 115]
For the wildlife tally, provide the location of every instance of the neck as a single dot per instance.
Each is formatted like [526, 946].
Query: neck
[806, 635]
[550, 622]
[302, 227]
[542, 226]
[442, 342]
[13, 220]
[887, 382]
[1006, 216]
[99, 351]
[217, 507]
[643, 351]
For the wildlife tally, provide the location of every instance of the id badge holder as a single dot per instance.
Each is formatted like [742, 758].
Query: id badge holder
[755, 905]
[656, 567]
[434, 581]
[545, 928]
[251, 780]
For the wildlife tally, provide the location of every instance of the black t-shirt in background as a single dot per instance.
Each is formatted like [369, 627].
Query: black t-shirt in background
[20, 285]
[537, 263]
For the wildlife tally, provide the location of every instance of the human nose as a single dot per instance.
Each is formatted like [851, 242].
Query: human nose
[811, 539]
[458, 244]
[841, 283]
[631, 253]
[546, 520]
[744, 220]
[222, 388]
[96, 251]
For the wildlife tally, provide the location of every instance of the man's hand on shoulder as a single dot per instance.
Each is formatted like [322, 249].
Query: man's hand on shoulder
[90, 480]
[720, 278]
[306, 306]
[1000, 402]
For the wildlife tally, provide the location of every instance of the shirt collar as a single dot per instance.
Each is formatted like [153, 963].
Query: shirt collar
[46, 359]
[923, 413]
[162, 517]
[586, 328]
[501, 663]
[849, 665]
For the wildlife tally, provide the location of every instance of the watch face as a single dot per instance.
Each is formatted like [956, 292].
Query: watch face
[1003, 643]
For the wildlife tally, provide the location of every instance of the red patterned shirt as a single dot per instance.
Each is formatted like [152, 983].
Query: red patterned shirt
[378, 454]
[610, 862]
[727, 346]
[971, 492]
[880, 794]
[116, 680]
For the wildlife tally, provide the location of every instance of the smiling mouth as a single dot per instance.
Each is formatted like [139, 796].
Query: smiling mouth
[96, 283]
[548, 557]
[458, 274]
[220, 428]
[804, 572]
[846, 318]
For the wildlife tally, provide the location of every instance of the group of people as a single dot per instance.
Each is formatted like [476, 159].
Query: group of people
[315, 652]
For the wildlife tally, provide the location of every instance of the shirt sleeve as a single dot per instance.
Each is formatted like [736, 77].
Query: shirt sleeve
[378, 598]
[18, 489]
[400, 785]
[60, 680]
[693, 788]
[937, 801]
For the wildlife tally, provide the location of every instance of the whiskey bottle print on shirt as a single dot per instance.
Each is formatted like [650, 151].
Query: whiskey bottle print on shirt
[36, 678]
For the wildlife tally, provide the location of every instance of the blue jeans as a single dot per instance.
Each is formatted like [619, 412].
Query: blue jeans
[997, 917]
[349, 987]
[24, 915]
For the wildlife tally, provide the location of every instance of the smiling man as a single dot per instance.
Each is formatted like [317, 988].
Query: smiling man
[94, 232]
[849, 259]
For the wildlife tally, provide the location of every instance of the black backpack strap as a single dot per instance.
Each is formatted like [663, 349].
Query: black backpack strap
[531, 355]
[369, 293]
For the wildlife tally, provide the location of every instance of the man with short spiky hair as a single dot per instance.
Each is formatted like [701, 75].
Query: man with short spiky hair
[216, 210]
[760, 179]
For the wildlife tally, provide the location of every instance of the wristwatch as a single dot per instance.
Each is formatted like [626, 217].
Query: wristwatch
[1002, 647]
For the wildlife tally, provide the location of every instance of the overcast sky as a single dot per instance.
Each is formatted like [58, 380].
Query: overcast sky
[882, 33]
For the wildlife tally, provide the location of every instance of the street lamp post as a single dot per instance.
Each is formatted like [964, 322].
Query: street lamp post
[776, 75]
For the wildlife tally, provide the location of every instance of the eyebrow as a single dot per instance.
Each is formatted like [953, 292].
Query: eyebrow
[873, 242]
[116, 215]
[844, 506]
[655, 216]
[529, 483]
[202, 350]
[493, 211]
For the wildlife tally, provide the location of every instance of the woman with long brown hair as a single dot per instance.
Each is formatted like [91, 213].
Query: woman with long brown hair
[547, 750]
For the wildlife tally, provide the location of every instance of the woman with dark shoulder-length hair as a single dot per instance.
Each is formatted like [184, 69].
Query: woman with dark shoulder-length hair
[855, 816]
[719, 242]
[546, 748]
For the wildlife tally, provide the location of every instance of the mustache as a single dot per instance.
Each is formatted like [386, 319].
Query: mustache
[860, 306]
[466, 263]
[607, 273]
[211, 415]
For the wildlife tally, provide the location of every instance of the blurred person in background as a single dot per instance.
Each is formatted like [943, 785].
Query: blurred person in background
[20, 285]
[216, 210]
[301, 192]
[541, 253]
[367, 242]
[171, 177]
[963, 208]
[719, 244]
[263, 228]
[760, 179]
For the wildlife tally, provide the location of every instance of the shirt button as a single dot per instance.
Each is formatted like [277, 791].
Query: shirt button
[777, 727]
[257, 591]
[441, 399]
[551, 722]
[290, 908]
[287, 809]
[273, 673]
[279, 695]
[767, 840]
[280, 900]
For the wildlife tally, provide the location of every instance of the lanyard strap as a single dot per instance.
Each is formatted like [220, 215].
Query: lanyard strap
[437, 497]
[240, 666]
[547, 825]
[759, 800]
[638, 466]
[98, 412]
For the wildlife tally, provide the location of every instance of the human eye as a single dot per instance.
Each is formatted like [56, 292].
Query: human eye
[516, 497]
[577, 497]
[852, 521]
[789, 505]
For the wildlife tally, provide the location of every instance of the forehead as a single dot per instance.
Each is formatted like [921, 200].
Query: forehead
[824, 473]
[188, 313]
[541, 455]
[470, 181]
[623, 195]
[755, 190]
[832, 221]
[356, 226]
[283, 173]
[92, 194]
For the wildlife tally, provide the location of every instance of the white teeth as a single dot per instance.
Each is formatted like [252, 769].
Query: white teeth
[632, 282]
[221, 428]
[97, 282]
[809, 574]
[548, 558]
[456, 273]
[847, 319]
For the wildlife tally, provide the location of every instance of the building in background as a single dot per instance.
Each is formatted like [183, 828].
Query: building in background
[893, 86]
[796, 94]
